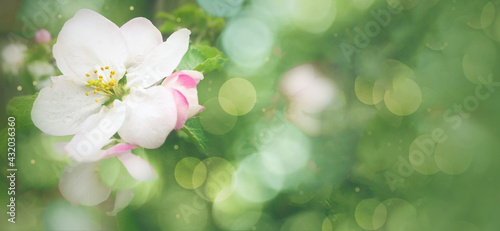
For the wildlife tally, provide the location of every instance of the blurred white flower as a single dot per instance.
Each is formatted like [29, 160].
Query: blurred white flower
[80, 182]
[13, 58]
[43, 36]
[89, 99]
[308, 93]
[40, 70]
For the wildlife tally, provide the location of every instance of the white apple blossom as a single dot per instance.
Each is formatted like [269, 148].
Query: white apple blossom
[109, 86]
[13, 58]
[308, 93]
[80, 182]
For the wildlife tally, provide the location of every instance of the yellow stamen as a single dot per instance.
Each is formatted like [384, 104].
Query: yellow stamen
[95, 71]
[95, 91]
[96, 100]
[100, 80]
[102, 68]
[88, 75]
[86, 93]
[100, 76]
[107, 67]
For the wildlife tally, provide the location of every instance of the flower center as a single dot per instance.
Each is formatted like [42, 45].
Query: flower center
[103, 81]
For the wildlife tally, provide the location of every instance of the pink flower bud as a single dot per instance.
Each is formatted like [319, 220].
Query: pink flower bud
[43, 36]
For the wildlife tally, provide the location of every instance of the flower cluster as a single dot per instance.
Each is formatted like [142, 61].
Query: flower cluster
[116, 92]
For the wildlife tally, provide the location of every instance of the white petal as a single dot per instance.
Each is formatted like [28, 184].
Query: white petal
[59, 110]
[151, 116]
[141, 36]
[138, 168]
[81, 185]
[123, 198]
[96, 132]
[161, 61]
[86, 40]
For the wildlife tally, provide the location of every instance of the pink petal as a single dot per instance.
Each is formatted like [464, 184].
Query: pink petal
[117, 149]
[185, 82]
[182, 108]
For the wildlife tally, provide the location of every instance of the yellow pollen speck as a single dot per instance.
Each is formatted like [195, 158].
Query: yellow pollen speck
[102, 68]
[95, 91]
[95, 71]
[176, 147]
[131, 7]
[96, 100]
[32, 161]
[178, 19]
[100, 76]
[86, 93]
[107, 88]
[19, 88]
[100, 80]
[35, 83]
[107, 67]
[88, 75]
[59, 16]
[98, 89]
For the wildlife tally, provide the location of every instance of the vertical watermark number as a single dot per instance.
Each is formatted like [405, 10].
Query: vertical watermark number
[11, 169]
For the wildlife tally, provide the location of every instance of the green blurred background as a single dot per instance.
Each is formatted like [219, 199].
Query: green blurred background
[327, 115]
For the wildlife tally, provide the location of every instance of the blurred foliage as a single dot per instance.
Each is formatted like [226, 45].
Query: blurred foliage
[415, 77]
[204, 28]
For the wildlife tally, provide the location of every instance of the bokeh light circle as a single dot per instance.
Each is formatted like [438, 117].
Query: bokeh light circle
[214, 119]
[313, 16]
[404, 98]
[190, 173]
[236, 214]
[367, 91]
[401, 215]
[220, 8]
[255, 182]
[307, 220]
[453, 156]
[370, 214]
[237, 96]
[220, 182]
[421, 155]
[186, 211]
[247, 41]
[288, 152]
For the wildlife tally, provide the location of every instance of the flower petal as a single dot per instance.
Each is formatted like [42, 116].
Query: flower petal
[182, 108]
[186, 82]
[141, 36]
[80, 184]
[117, 149]
[151, 116]
[123, 198]
[86, 40]
[96, 132]
[161, 61]
[138, 168]
[59, 110]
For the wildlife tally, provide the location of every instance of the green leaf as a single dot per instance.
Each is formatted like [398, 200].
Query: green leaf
[202, 58]
[20, 108]
[194, 132]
